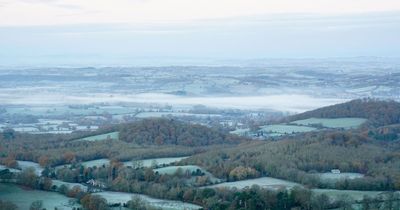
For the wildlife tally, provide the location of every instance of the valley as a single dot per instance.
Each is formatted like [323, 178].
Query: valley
[320, 158]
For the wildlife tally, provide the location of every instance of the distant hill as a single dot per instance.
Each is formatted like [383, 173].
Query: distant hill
[378, 112]
[159, 131]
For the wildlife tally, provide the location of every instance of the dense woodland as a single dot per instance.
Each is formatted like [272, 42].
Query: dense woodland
[169, 131]
[373, 150]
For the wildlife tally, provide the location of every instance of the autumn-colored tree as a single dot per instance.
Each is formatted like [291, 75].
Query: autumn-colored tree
[10, 162]
[94, 202]
[240, 173]
[44, 160]
[46, 183]
[74, 191]
[28, 178]
[69, 157]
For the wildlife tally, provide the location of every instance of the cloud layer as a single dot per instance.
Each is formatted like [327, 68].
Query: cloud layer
[53, 12]
[121, 32]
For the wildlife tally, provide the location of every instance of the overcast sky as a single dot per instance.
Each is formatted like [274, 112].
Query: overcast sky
[122, 31]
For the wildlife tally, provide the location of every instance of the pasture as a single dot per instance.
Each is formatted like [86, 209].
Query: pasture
[142, 163]
[59, 183]
[156, 161]
[264, 182]
[23, 197]
[355, 195]
[285, 129]
[332, 177]
[186, 168]
[121, 198]
[29, 164]
[345, 123]
[101, 137]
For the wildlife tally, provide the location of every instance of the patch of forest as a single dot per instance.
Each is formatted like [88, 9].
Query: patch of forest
[378, 112]
[160, 131]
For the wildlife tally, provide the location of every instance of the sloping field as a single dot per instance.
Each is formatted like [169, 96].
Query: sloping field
[59, 183]
[24, 197]
[157, 161]
[346, 123]
[286, 129]
[29, 164]
[143, 163]
[120, 197]
[353, 194]
[331, 177]
[101, 137]
[190, 168]
[264, 182]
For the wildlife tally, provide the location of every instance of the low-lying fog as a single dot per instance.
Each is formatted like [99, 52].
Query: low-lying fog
[284, 102]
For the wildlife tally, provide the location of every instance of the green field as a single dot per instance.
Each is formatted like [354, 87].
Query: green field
[101, 137]
[346, 123]
[264, 182]
[285, 129]
[23, 197]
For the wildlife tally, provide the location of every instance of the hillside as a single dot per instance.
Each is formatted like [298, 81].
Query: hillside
[378, 113]
[160, 131]
[298, 158]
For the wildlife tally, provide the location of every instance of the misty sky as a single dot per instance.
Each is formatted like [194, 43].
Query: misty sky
[40, 32]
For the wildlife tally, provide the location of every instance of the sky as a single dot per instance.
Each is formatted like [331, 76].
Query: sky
[134, 32]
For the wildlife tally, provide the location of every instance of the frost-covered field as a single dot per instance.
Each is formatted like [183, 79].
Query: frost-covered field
[120, 197]
[264, 182]
[286, 129]
[173, 169]
[101, 137]
[333, 122]
[336, 177]
[143, 163]
[59, 183]
[157, 161]
[189, 168]
[23, 197]
[353, 194]
[97, 163]
[29, 164]
[90, 163]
